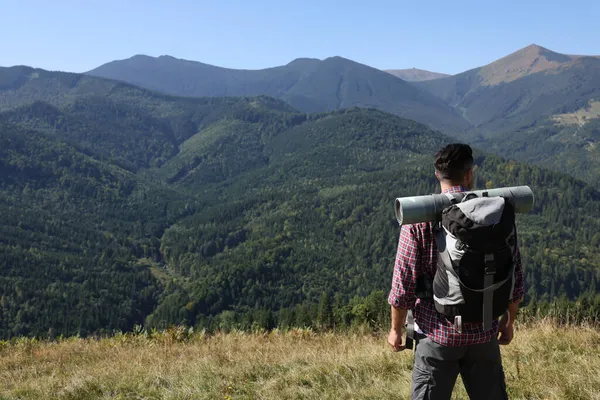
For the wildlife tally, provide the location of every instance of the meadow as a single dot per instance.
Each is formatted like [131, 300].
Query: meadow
[543, 362]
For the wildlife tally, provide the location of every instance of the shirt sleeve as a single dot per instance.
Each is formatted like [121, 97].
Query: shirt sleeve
[519, 290]
[404, 281]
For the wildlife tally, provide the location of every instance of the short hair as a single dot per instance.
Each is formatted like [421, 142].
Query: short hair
[453, 161]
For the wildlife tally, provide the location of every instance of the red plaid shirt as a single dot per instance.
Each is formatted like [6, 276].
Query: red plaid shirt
[417, 254]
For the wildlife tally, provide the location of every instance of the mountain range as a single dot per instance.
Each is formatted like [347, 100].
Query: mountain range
[310, 85]
[121, 206]
[521, 106]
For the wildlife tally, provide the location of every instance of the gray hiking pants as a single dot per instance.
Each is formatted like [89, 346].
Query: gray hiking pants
[436, 368]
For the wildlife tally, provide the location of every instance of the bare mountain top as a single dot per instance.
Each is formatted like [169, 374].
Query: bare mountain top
[529, 60]
[415, 75]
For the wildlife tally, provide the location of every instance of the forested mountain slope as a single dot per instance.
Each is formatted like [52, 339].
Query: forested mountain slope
[71, 228]
[122, 206]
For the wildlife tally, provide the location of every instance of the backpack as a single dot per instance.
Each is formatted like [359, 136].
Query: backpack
[475, 276]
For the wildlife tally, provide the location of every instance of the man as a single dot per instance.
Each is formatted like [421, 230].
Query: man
[442, 350]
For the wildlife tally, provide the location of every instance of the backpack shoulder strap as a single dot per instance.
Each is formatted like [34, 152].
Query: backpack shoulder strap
[488, 296]
[426, 284]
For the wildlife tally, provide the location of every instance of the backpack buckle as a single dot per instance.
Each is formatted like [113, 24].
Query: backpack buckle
[490, 264]
[458, 323]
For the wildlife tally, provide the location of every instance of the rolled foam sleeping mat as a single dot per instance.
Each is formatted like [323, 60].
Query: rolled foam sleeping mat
[428, 208]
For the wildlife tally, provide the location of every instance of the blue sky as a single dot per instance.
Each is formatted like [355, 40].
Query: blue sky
[443, 36]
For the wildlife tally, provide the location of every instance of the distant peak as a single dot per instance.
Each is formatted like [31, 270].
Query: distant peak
[526, 61]
[140, 56]
[536, 50]
[163, 57]
[534, 46]
[172, 58]
[337, 58]
[304, 61]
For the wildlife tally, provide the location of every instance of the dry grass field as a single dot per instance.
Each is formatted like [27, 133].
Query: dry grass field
[543, 362]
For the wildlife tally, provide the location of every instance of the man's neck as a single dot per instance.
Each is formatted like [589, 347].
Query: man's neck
[444, 185]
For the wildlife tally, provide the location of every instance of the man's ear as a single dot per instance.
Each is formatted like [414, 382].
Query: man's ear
[437, 175]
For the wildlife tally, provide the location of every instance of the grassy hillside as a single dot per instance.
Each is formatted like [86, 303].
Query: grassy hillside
[123, 205]
[307, 84]
[542, 362]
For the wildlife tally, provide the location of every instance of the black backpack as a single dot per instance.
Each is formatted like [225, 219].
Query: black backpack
[475, 276]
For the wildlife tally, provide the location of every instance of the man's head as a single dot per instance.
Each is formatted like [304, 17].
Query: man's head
[454, 165]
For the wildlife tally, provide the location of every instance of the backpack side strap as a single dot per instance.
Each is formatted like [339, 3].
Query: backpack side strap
[410, 330]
